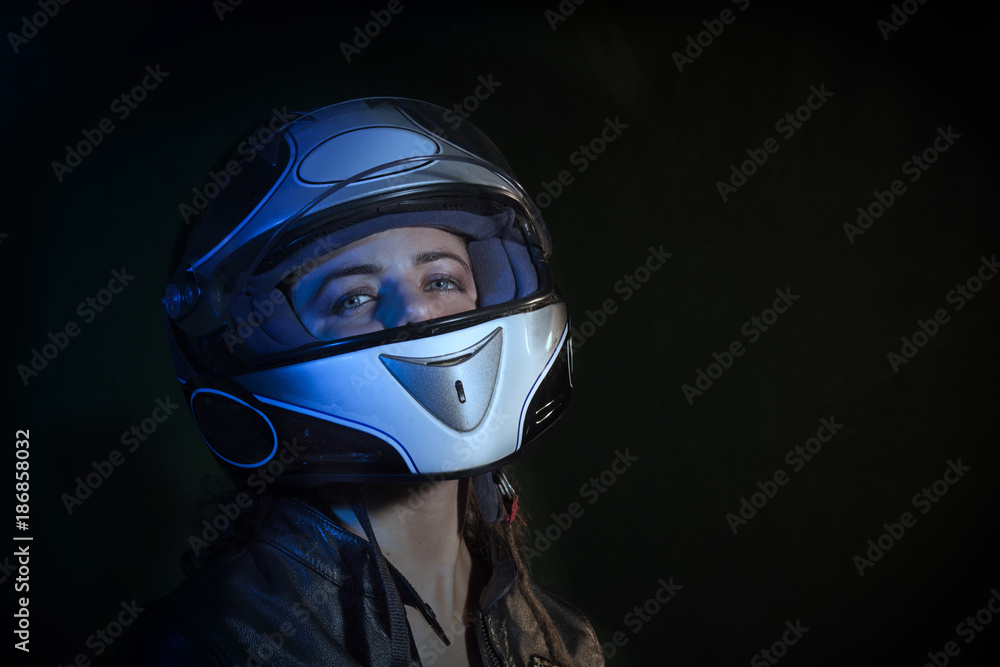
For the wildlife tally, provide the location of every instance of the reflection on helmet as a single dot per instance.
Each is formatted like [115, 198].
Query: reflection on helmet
[447, 397]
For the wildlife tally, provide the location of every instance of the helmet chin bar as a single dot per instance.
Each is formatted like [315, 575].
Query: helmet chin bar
[513, 372]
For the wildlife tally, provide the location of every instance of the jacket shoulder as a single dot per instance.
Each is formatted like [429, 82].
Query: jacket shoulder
[517, 628]
[572, 625]
[272, 598]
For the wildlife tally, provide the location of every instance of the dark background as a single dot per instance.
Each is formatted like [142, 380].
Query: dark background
[655, 184]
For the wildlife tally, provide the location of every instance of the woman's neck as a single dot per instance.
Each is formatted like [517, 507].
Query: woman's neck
[419, 528]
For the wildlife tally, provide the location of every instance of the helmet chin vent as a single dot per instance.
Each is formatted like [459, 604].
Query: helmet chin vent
[552, 396]
[456, 388]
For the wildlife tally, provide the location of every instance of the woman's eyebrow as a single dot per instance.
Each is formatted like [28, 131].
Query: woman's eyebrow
[351, 270]
[354, 270]
[434, 255]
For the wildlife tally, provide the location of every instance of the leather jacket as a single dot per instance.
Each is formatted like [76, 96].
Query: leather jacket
[303, 591]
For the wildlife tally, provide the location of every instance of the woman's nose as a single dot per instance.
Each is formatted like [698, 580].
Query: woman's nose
[406, 304]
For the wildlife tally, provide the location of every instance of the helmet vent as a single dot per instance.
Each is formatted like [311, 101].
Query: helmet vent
[456, 388]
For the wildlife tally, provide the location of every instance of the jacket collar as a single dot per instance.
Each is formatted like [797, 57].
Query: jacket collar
[312, 537]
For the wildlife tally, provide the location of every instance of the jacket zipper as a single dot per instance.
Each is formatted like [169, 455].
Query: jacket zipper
[487, 647]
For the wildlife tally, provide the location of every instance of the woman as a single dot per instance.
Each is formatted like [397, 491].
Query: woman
[366, 329]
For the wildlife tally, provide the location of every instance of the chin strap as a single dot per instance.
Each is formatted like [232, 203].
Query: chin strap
[399, 632]
[495, 497]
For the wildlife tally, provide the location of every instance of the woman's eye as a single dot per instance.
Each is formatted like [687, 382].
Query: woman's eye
[350, 303]
[444, 284]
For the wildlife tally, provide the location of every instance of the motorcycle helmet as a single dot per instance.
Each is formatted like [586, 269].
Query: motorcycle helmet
[450, 397]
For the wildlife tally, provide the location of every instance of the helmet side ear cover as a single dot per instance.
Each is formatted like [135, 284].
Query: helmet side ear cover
[501, 264]
[253, 438]
[231, 422]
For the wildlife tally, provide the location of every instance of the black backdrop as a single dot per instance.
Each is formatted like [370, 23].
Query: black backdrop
[664, 519]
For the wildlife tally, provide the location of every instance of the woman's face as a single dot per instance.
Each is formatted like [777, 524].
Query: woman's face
[386, 280]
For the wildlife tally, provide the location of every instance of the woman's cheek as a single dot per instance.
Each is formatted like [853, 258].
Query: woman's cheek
[466, 302]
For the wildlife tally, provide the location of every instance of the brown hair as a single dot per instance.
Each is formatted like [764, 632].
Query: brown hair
[510, 536]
